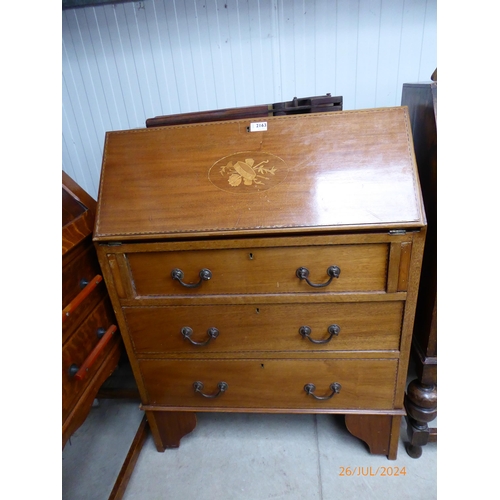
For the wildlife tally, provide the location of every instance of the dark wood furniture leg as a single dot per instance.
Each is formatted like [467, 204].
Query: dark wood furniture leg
[169, 427]
[421, 408]
[379, 432]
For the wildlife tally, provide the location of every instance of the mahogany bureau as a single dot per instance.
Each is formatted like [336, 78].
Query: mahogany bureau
[266, 266]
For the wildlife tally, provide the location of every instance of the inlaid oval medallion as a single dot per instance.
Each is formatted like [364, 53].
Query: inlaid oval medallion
[248, 172]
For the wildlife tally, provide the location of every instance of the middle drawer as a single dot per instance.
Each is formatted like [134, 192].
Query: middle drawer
[266, 327]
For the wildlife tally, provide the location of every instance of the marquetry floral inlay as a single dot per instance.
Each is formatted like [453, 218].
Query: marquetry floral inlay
[241, 172]
[247, 172]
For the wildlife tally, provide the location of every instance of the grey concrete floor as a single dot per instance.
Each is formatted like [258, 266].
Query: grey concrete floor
[241, 456]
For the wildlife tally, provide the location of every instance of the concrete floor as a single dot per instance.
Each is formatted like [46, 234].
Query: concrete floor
[241, 456]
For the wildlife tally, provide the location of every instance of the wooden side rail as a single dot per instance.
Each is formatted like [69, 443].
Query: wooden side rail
[81, 297]
[130, 460]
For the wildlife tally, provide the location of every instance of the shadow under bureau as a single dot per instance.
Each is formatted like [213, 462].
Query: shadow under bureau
[266, 266]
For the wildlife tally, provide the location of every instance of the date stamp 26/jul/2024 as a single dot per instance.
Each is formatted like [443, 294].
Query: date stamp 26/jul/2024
[372, 471]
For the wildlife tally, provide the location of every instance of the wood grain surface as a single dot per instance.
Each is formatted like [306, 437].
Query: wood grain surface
[305, 172]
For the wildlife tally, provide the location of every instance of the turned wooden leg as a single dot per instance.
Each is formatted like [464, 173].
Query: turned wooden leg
[421, 408]
[168, 427]
[379, 432]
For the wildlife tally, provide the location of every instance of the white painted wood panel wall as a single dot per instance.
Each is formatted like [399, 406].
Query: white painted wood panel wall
[128, 62]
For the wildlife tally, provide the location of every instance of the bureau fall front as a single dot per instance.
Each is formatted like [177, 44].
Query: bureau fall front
[266, 266]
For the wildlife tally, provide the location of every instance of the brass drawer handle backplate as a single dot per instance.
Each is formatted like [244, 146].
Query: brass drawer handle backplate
[310, 388]
[305, 331]
[177, 274]
[198, 387]
[187, 331]
[303, 274]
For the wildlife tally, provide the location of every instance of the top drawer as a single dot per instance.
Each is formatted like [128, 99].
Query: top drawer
[357, 268]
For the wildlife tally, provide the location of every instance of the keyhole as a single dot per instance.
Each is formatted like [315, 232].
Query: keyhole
[250, 255]
[257, 311]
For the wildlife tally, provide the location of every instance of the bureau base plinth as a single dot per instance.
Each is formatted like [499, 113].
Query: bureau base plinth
[169, 427]
[379, 432]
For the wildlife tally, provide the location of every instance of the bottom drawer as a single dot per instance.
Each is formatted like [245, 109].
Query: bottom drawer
[271, 383]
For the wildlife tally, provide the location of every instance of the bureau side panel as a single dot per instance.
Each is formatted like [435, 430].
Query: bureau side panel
[116, 282]
[412, 284]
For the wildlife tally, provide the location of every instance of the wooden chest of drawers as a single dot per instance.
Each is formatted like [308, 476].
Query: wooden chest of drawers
[273, 270]
[91, 348]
